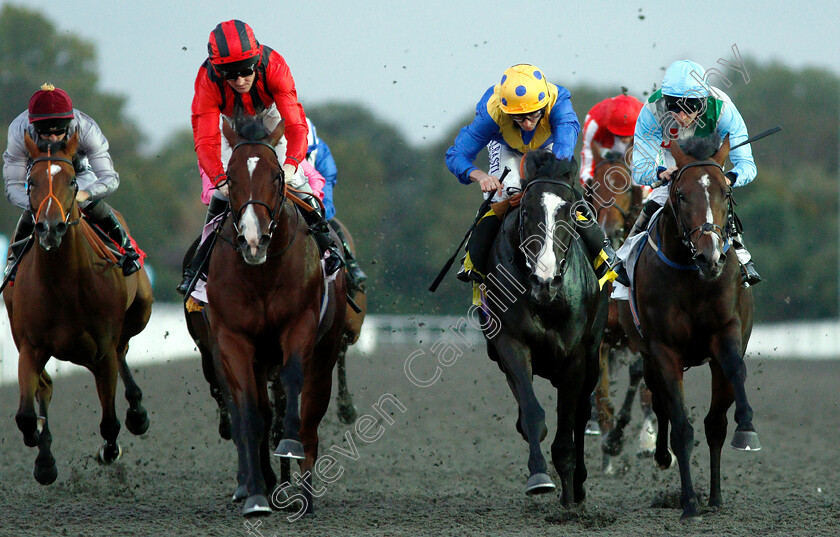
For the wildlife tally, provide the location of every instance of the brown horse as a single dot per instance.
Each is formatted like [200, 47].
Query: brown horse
[692, 309]
[71, 301]
[269, 306]
[616, 202]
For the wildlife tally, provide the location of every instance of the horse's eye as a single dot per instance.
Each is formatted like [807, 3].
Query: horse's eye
[680, 196]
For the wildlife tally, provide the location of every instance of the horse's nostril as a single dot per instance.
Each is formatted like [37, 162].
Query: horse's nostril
[61, 229]
[40, 228]
[265, 238]
[241, 241]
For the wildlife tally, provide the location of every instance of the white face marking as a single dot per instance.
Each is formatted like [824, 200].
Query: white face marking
[249, 225]
[547, 261]
[252, 165]
[55, 169]
[704, 182]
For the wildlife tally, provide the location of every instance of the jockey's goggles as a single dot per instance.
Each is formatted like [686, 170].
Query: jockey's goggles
[533, 116]
[230, 75]
[684, 104]
[52, 126]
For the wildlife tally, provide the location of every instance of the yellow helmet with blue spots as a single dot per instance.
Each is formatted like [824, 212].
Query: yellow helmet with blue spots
[523, 89]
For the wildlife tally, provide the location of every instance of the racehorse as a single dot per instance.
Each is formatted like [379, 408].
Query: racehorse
[71, 301]
[545, 315]
[691, 309]
[616, 202]
[269, 306]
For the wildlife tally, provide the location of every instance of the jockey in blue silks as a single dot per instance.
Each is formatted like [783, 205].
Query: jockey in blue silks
[318, 154]
[524, 112]
[686, 107]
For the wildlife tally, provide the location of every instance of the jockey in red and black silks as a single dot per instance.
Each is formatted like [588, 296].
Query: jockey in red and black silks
[233, 49]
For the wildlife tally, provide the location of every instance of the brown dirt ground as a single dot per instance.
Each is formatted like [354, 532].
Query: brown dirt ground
[452, 464]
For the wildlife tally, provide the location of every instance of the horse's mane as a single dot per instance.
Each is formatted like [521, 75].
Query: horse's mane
[701, 148]
[250, 128]
[544, 163]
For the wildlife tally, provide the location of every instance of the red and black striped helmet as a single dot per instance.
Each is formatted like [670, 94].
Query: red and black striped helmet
[233, 42]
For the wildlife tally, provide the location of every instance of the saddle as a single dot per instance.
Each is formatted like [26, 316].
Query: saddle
[104, 246]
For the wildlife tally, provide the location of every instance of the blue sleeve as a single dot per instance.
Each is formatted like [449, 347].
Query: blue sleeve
[731, 122]
[325, 164]
[564, 125]
[647, 140]
[472, 139]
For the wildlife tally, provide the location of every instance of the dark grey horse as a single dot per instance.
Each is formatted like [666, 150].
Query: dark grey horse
[545, 314]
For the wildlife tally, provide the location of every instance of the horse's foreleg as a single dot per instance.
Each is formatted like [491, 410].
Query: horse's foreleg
[45, 470]
[727, 350]
[199, 329]
[614, 442]
[291, 378]
[516, 363]
[106, 374]
[669, 393]
[236, 359]
[266, 413]
[715, 427]
[136, 417]
[347, 413]
[31, 364]
[603, 403]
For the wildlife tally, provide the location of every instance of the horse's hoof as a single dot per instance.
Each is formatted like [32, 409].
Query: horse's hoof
[691, 518]
[239, 494]
[45, 475]
[32, 439]
[612, 446]
[256, 505]
[108, 455]
[137, 421]
[347, 413]
[745, 441]
[539, 484]
[291, 449]
[672, 461]
[593, 428]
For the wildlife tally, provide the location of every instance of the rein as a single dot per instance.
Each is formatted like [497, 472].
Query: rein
[51, 195]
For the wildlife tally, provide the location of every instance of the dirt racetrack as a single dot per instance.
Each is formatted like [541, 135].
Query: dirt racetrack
[451, 464]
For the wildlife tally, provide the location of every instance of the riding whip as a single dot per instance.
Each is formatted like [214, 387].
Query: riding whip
[481, 211]
[759, 136]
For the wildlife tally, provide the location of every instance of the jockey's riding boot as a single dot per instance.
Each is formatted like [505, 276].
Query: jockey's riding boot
[216, 207]
[597, 245]
[357, 275]
[749, 276]
[130, 261]
[321, 233]
[478, 248]
[23, 230]
[641, 223]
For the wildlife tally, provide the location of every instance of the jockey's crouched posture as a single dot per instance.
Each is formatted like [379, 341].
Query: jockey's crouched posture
[684, 108]
[50, 118]
[240, 76]
[524, 112]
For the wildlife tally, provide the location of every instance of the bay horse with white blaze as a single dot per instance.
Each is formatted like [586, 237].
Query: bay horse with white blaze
[691, 310]
[70, 300]
[545, 315]
[269, 306]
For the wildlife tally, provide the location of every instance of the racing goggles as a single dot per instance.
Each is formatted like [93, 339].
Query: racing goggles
[684, 104]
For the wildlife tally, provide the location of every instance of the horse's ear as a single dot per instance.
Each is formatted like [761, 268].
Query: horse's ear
[72, 144]
[679, 156]
[31, 146]
[277, 133]
[229, 133]
[723, 152]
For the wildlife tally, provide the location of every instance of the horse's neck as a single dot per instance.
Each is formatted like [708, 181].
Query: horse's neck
[670, 237]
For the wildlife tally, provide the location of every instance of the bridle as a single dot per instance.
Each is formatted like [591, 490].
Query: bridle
[51, 195]
[520, 224]
[273, 212]
[707, 228]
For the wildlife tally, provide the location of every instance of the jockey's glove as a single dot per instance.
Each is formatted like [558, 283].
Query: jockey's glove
[732, 176]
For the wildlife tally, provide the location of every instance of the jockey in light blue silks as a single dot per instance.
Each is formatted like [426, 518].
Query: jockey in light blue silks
[687, 107]
[318, 154]
[524, 112]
